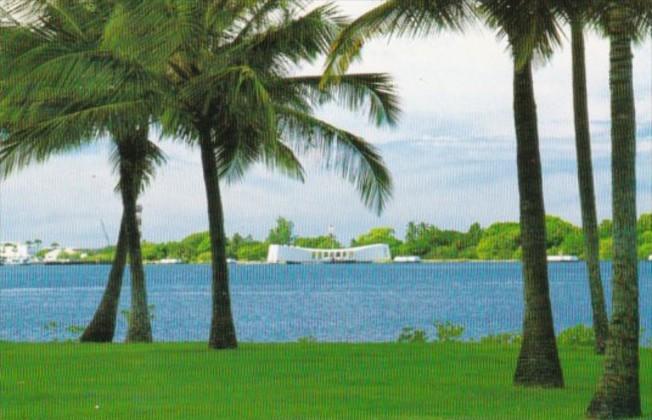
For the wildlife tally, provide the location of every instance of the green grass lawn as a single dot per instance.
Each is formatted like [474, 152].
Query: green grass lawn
[187, 381]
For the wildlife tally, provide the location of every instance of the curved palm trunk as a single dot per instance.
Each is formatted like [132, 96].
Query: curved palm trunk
[222, 332]
[538, 361]
[587, 192]
[618, 393]
[101, 329]
[140, 329]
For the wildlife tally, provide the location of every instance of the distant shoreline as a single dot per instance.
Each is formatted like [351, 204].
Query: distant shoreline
[426, 262]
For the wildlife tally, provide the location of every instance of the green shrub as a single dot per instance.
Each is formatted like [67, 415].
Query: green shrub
[253, 251]
[58, 330]
[51, 326]
[76, 330]
[411, 335]
[606, 248]
[309, 339]
[126, 313]
[645, 249]
[579, 335]
[204, 257]
[499, 241]
[447, 331]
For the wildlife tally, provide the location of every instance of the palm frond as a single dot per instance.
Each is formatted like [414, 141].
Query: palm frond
[22, 147]
[353, 158]
[396, 18]
[37, 134]
[259, 16]
[20, 13]
[373, 91]
[295, 40]
[639, 16]
[531, 27]
[167, 27]
[65, 92]
[234, 161]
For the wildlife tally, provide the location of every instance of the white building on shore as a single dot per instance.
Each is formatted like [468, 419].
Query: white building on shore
[55, 255]
[278, 254]
[14, 253]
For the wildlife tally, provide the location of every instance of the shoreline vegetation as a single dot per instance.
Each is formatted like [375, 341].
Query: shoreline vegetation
[206, 263]
[499, 242]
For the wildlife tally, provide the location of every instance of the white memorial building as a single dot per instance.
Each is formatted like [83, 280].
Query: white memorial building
[279, 254]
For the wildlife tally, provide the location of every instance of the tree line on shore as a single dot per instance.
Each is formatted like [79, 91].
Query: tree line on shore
[498, 241]
[217, 75]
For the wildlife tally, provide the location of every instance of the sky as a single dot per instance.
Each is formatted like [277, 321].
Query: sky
[452, 156]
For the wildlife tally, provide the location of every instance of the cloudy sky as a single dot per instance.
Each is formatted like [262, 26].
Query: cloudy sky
[452, 156]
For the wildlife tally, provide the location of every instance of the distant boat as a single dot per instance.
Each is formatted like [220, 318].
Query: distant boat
[649, 258]
[168, 261]
[412, 259]
[15, 262]
[562, 258]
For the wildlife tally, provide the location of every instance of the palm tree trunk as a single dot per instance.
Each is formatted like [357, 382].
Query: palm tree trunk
[140, 329]
[538, 361]
[618, 393]
[222, 332]
[587, 192]
[102, 327]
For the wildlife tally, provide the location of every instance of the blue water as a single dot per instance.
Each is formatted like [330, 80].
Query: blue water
[283, 303]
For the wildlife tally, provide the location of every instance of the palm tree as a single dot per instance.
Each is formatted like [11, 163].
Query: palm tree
[531, 30]
[101, 329]
[51, 109]
[227, 71]
[576, 14]
[618, 393]
[136, 158]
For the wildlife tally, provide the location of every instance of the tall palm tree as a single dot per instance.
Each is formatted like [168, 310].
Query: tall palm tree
[227, 69]
[134, 156]
[576, 13]
[618, 393]
[531, 30]
[101, 329]
[51, 109]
